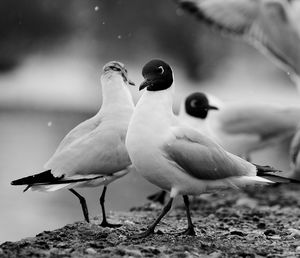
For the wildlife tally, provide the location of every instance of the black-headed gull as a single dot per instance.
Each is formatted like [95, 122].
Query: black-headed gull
[174, 156]
[272, 26]
[240, 127]
[94, 152]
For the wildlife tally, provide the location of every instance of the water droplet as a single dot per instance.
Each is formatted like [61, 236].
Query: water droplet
[119, 36]
[96, 8]
[49, 124]
[103, 23]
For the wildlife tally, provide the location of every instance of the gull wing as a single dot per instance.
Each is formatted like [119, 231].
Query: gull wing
[78, 132]
[266, 121]
[203, 159]
[101, 151]
[266, 24]
[231, 16]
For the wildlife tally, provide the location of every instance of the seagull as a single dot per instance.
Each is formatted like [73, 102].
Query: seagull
[94, 152]
[176, 157]
[239, 127]
[271, 26]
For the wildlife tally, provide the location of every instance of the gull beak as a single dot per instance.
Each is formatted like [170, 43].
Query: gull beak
[145, 84]
[130, 82]
[212, 107]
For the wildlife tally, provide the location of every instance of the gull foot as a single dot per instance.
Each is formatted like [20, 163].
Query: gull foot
[143, 234]
[188, 232]
[105, 224]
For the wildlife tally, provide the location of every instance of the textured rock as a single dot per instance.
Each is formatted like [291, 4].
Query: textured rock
[224, 228]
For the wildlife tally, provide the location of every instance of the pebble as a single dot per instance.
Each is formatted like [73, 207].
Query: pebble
[294, 232]
[297, 249]
[275, 237]
[215, 255]
[1, 251]
[270, 232]
[90, 250]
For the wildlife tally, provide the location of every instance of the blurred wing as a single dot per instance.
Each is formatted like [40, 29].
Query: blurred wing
[201, 158]
[231, 16]
[268, 25]
[264, 120]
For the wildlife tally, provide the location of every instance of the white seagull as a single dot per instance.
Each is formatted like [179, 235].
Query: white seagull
[94, 152]
[272, 26]
[174, 156]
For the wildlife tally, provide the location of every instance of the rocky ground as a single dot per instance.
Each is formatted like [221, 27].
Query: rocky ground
[260, 222]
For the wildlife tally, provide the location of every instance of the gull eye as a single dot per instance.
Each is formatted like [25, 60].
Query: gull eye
[115, 69]
[160, 69]
[194, 103]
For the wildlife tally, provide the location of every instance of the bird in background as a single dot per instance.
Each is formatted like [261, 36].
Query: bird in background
[271, 26]
[242, 128]
[173, 155]
[94, 152]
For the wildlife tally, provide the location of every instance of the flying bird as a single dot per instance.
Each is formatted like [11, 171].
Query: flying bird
[94, 152]
[272, 26]
[173, 155]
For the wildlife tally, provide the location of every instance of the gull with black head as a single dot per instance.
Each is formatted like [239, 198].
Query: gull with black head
[174, 156]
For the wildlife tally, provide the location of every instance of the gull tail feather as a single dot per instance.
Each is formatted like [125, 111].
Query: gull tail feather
[46, 181]
[280, 179]
[271, 174]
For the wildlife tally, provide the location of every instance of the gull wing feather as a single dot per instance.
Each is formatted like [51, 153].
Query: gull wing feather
[203, 159]
[100, 151]
[79, 131]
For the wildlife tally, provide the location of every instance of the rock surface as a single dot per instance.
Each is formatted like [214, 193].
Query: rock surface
[259, 222]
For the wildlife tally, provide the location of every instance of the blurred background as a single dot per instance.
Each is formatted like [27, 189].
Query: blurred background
[51, 56]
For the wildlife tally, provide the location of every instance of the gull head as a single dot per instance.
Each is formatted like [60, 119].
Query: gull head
[115, 67]
[158, 76]
[197, 105]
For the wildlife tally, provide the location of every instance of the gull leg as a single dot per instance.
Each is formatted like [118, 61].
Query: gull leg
[158, 197]
[83, 204]
[104, 222]
[190, 229]
[151, 228]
